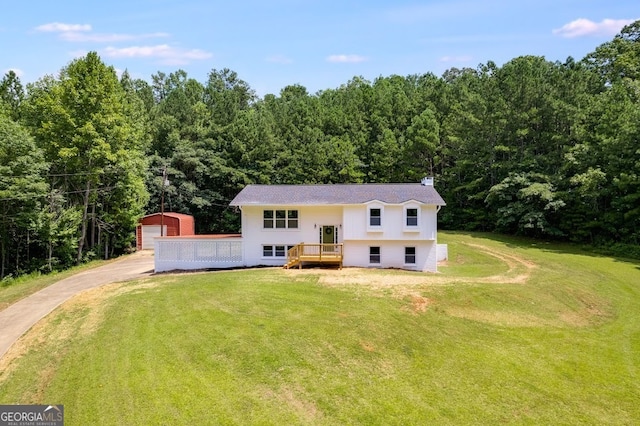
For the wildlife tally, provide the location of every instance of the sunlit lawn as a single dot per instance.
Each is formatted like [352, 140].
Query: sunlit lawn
[464, 346]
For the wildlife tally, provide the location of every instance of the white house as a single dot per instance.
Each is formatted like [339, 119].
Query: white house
[364, 225]
[378, 225]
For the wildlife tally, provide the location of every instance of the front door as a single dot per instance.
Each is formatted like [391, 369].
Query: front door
[328, 235]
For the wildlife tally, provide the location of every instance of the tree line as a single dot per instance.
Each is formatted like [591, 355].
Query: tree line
[532, 147]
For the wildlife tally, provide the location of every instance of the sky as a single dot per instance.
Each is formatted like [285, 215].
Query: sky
[319, 44]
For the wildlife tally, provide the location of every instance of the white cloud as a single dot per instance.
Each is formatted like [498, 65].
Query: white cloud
[104, 38]
[74, 36]
[584, 27]
[279, 59]
[168, 55]
[83, 33]
[165, 53]
[58, 27]
[464, 58]
[347, 59]
[17, 71]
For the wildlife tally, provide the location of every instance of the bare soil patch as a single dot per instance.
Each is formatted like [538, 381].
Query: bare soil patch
[519, 271]
[296, 399]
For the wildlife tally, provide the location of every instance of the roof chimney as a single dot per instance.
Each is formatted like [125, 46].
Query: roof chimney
[427, 181]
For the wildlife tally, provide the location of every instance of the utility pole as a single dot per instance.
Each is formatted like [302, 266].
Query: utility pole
[165, 182]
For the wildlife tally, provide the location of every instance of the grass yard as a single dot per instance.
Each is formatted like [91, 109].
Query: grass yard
[509, 331]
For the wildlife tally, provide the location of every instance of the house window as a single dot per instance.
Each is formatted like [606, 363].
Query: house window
[292, 219]
[280, 219]
[375, 217]
[410, 255]
[275, 251]
[374, 254]
[268, 218]
[412, 217]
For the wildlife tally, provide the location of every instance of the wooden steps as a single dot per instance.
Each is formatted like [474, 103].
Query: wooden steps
[314, 253]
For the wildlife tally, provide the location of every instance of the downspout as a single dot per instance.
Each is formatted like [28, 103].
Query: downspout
[244, 254]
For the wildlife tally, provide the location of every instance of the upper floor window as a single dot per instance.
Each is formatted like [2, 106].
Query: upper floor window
[280, 219]
[412, 217]
[375, 217]
[267, 221]
[292, 219]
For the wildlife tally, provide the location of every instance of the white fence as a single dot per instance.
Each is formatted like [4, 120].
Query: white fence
[185, 253]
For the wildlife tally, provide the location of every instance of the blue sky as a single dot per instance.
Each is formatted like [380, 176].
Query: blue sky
[318, 44]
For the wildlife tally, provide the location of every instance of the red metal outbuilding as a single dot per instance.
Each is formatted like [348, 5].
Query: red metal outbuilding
[174, 224]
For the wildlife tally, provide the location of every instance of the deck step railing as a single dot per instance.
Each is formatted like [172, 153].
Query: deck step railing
[314, 253]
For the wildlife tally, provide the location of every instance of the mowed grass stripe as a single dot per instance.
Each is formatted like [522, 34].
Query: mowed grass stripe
[273, 347]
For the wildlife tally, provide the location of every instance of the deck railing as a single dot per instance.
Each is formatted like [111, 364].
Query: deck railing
[324, 253]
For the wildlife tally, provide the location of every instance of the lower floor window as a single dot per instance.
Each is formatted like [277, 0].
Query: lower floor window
[374, 254]
[410, 255]
[275, 250]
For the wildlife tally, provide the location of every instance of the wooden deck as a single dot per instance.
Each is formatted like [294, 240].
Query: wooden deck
[314, 253]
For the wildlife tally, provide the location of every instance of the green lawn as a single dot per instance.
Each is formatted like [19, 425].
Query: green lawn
[509, 331]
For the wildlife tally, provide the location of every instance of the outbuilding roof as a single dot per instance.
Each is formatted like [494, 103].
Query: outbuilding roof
[337, 194]
[170, 214]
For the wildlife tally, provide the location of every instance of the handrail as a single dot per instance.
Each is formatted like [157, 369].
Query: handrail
[318, 252]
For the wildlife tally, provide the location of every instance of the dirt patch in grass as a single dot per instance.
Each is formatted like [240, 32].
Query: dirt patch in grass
[294, 398]
[418, 304]
[368, 346]
[409, 286]
[519, 271]
[581, 318]
[589, 310]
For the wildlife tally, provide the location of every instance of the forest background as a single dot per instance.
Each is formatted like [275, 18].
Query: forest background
[532, 147]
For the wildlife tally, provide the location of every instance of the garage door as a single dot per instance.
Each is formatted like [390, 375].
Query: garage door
[149, 232]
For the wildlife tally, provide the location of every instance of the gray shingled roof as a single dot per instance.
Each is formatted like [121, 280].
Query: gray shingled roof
[299, 195]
